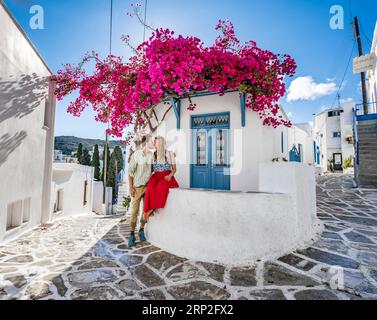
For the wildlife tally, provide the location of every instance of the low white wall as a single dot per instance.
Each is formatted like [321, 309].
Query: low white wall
[69, 178]
[98, 197]
[237, 228]
[98, 206]
[298, 180]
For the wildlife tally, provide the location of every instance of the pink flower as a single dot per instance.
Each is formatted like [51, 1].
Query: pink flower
[168, 65]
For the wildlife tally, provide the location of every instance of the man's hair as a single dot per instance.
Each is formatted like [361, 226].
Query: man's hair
[145, 138]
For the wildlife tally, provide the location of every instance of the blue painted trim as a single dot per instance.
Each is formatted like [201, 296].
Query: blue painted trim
[315, 151]
[206, 93]
[366, 117]
[176, 103]
[218, 126]
[199, 94]
[243, 109]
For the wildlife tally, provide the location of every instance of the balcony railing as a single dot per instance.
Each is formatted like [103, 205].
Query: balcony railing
[372, 108]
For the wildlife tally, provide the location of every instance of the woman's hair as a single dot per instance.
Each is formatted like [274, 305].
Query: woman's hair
[160, 154]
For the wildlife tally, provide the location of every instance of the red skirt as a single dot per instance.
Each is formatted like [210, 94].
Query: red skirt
[157, 191]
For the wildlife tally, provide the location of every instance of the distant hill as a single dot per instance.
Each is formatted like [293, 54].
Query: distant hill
[69, 144]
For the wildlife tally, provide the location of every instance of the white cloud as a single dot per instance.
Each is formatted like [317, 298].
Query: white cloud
[345, 100]
[305, 88]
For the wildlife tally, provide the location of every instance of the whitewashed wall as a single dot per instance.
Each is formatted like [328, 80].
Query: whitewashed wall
[238, 228]
[98, 206]
[27, 112]
[297, 135]
[323, 129]
[346, 125]
[69, 179]
[250, 145]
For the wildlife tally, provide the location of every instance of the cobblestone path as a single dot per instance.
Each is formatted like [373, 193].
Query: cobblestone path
[87, 257]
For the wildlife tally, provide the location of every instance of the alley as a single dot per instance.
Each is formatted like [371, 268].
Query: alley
[86, 257]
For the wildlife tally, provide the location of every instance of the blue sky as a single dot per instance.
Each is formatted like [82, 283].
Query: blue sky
[300, 28]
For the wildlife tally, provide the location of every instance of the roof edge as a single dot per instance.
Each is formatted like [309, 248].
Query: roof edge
[25, 36]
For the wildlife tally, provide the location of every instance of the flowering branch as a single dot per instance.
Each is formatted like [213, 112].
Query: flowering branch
[166, 65]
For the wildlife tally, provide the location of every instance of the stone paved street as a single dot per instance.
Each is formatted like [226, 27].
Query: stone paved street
[87, 257]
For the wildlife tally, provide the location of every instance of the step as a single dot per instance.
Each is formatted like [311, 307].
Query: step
[367, 123]
[371, 155]
[367, 159]
[368, 145]
[364, 182]
[368, 142]
[366, 131]
[367, 175]
[367, 127]
[369, 137]
[368, 150]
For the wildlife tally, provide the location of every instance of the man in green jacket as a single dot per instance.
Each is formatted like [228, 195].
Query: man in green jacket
[139, 172]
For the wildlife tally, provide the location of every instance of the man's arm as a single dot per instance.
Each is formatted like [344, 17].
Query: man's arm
[131, 172]
[132, 187]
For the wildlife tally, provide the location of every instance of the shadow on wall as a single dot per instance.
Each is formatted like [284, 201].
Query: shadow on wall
[10, 143]
[21, 95]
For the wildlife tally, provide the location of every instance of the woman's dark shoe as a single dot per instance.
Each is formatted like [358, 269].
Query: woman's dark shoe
[132, 240]
[142, 235]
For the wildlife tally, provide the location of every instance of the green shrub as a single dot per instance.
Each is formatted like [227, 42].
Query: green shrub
[126, 202]
[347, 163]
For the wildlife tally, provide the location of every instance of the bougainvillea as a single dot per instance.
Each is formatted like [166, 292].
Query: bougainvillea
[166, 65]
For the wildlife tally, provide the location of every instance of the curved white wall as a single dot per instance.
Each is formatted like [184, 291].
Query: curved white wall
[237, 228]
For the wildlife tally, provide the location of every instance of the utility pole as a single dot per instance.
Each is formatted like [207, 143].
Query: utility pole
[107, 137]
[105, 164]
[363, 82]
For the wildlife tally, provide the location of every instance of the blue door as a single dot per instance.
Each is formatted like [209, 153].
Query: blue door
[210, 151]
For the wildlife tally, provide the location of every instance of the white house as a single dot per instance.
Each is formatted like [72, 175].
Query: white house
[72, 189]
[371, 76]
[221, 143]
[333, 136]
[240, 198]
[27, 113]
[58, 156]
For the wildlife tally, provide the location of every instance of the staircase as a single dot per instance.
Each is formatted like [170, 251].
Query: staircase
[366, 171]
[122, 192]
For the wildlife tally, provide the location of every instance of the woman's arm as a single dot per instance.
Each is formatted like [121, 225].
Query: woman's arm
[174, 167]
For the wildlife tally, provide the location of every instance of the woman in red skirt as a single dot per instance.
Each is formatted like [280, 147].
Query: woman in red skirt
[162, 179]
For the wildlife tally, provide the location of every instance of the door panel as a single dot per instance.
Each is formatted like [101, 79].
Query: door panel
[200, 168]
[210, 152]
[337, 157]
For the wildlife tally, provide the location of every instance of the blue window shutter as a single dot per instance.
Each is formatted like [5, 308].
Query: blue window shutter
[176, 104]
[243, 109]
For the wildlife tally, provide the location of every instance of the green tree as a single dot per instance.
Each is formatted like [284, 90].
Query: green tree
[96, 164]
[103, 163]
[85, 159]
[119, 156]
[111, 179]
[79, 153]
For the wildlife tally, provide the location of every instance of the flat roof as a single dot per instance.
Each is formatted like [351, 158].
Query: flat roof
[25, 35]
